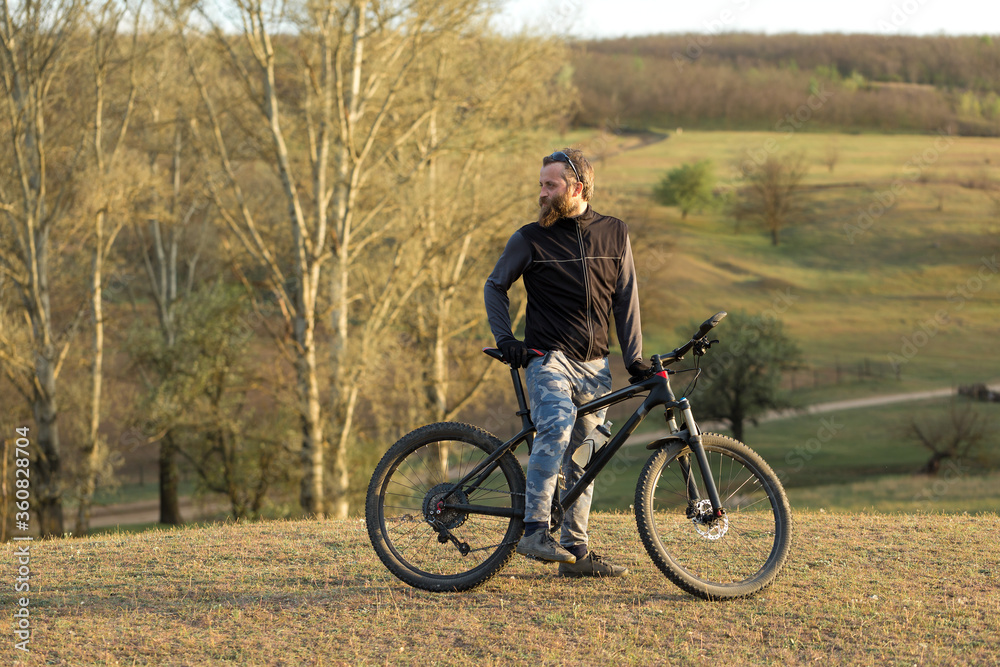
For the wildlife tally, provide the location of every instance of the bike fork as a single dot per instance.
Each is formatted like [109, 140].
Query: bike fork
[694, 440]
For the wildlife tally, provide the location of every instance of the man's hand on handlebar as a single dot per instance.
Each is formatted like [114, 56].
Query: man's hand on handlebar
[639, 370]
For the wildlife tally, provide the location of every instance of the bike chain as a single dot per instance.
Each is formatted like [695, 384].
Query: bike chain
[501, 491]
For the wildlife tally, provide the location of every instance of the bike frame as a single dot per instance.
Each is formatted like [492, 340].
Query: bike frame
[659, 394]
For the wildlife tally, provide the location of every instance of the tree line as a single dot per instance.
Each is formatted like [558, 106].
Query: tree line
[753, 81]
[251, 236]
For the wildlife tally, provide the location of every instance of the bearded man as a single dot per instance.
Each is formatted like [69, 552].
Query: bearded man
[577, 269]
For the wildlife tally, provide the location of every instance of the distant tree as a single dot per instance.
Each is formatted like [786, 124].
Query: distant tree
[771, 196]
[832, 155]
[208, 393]
[742, 375]
[689, 82]
[957, 436]
[688, 187]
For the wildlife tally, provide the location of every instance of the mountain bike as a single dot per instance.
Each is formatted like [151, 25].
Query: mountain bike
[445, 505]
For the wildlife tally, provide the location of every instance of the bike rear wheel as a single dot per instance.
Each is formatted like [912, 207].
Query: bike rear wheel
[430, 546]
[709, 557]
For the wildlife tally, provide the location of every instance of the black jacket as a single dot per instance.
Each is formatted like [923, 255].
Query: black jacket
[576, 274]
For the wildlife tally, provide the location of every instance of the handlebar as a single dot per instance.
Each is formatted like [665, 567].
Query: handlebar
[709, 324]
[678, 354]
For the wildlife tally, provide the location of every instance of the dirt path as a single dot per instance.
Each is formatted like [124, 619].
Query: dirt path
[871, 401]
[146, 511]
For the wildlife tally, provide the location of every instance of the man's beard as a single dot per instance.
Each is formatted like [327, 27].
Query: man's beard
[554, 208]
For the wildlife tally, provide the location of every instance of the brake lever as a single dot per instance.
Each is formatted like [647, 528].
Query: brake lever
[701, 347]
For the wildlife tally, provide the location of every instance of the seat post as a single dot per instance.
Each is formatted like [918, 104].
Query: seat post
[522, 403]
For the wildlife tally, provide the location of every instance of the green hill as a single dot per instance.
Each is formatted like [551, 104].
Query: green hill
[894, 264]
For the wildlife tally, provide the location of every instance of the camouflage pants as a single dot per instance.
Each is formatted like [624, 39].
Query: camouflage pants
[556, 386]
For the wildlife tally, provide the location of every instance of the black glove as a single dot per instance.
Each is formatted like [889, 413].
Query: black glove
[515, 353]
[639, 370]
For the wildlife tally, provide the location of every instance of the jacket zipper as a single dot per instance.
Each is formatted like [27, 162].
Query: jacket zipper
[586, 287]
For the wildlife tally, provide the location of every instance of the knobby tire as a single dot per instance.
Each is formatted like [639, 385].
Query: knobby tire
[416, 472]
[714, 560]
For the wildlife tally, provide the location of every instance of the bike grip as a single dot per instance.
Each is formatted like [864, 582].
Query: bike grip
[710, 323]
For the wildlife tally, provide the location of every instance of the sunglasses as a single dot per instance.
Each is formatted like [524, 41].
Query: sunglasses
[559, 156]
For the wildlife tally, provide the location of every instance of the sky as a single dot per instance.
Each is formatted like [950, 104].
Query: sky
[616, 18]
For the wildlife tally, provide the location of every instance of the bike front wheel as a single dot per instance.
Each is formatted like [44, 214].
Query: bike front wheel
[711, 557]
[415, 533]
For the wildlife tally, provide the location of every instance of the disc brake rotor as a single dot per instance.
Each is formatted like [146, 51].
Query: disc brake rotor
[706, 523]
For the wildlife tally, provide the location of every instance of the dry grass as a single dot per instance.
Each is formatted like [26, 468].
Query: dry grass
[858, 589]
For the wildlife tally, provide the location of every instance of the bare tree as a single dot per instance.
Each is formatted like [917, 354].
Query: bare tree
[14, 336]
[309, 232]
[382, 65]
[832, 154]
[171, 232]
[959, 435]
[488, 95]
[771, 196]
[363, 119]
[108, 193]
[35, 48]
[460, 229]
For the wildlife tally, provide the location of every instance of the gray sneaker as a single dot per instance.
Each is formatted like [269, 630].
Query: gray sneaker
[591, 565]
[540, 545]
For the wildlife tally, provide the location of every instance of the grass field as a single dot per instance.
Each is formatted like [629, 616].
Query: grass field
[867, 589]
